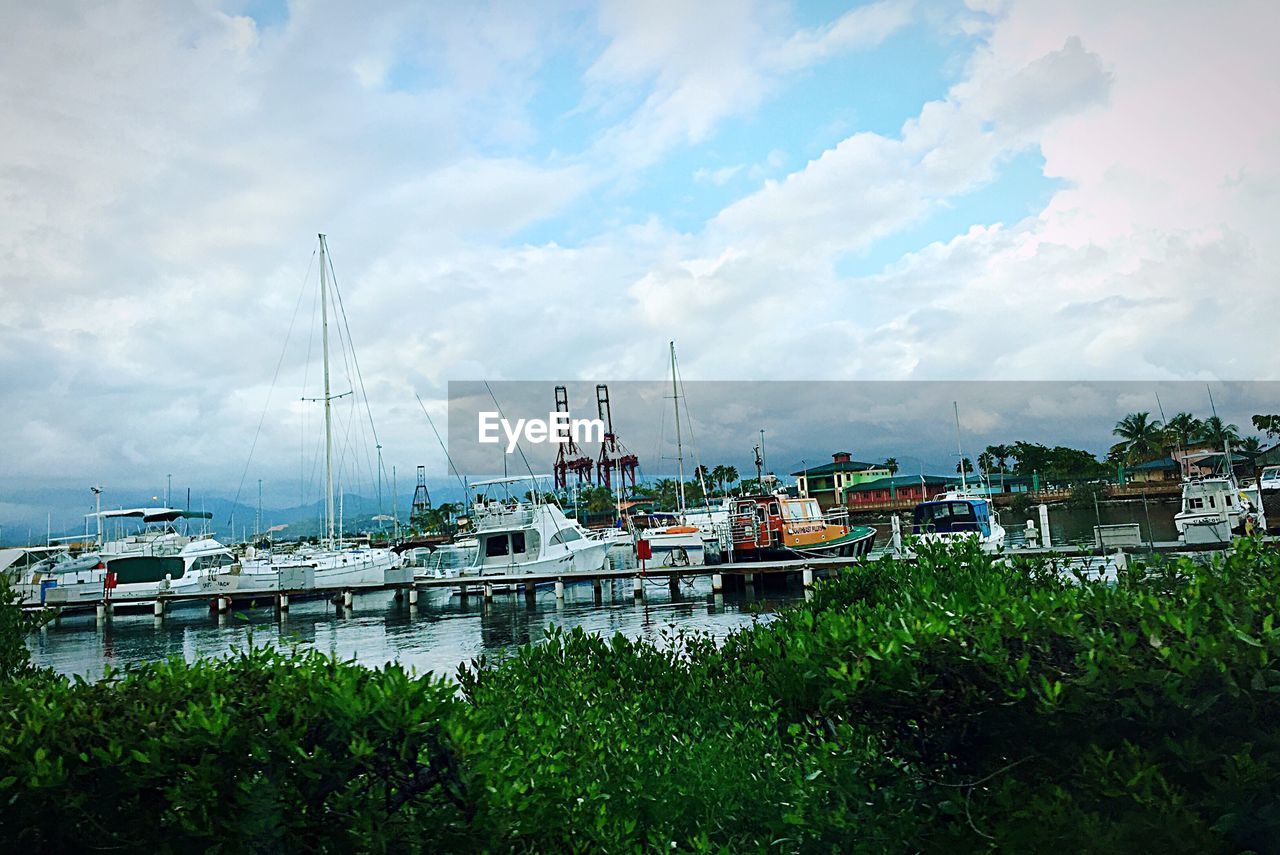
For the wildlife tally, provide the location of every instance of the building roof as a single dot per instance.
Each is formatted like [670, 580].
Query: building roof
[1158, 465]
[845, 466]
[902, 481]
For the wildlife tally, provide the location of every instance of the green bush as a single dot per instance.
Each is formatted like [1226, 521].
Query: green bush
[958, 702]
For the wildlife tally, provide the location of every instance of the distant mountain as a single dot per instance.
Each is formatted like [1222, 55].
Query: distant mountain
[26, 518]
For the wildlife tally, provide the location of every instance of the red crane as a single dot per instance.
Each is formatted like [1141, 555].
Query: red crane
[569, 458]
[613, 454]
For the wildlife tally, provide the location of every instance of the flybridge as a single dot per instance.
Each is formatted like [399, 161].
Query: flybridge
[152, 515]
[557, 428]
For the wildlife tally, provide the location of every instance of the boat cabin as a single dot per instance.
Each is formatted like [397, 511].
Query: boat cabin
[953, 516]
[765, 522]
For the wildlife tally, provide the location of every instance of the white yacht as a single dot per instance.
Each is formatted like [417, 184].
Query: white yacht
[515, 536]
[158, 558]
[1211, 512]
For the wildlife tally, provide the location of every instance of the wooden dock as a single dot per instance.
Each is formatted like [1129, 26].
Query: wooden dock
[225, 590]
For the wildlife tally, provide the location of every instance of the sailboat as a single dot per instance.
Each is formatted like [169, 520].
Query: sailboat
[677, 540]
[332, 564]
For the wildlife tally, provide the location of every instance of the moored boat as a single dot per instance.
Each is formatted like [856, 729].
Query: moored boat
[781, 527]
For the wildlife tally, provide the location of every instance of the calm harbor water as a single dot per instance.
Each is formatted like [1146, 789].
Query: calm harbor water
[437, 635]
[444, 631]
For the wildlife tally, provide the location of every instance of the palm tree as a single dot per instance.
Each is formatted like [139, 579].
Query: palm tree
[986, 461]
[1217, 434]
[730, 475]
[717, 476]
[891, 463]
[965, 465]
[1000, 453]
[1249, 446]
[1181, 430]
[1142, 437]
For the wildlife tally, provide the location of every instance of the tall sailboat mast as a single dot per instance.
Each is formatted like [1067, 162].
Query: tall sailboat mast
[964, 483]
[675, 396]
[328, 411]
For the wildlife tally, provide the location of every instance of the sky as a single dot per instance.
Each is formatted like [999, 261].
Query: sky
[895, 190]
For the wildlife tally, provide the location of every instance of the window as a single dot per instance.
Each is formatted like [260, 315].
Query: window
[495, 546]
[565, 535]
[517, 541]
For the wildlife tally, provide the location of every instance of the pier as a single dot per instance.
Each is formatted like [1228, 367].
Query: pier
[224, 590]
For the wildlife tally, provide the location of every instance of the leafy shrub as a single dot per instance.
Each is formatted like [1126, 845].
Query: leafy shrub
[958, 702]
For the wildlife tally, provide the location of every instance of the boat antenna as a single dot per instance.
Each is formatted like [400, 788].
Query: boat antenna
[1226, 444]
[675, 393]
[964, 483]
[1182, 457]
[537, 496]
[760, 464]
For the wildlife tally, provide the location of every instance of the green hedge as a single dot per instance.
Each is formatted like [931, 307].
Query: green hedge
[954, 703]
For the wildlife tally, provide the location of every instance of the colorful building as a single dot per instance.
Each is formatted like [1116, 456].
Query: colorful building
[828, 482]
[902, 489]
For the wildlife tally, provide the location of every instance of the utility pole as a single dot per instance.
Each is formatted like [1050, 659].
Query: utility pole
[168, 491]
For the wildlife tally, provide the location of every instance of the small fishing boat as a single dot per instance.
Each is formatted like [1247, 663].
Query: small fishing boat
[958, 515]
[1212, 511]
[779, 527]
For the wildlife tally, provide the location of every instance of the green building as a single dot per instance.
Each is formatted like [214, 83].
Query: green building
[828, 482]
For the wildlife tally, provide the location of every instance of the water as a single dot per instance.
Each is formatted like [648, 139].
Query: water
[437, 635]
[444, 631]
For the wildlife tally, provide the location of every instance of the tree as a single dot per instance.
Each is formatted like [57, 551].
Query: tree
[717, 476]
[1181, 430]
[891, 463]
[1142, 436]
[1000, 454]
[701, 474]
[1270, 425]
[986, 462]
[730, 475]
[1250, 446]
[1217, 434]
[965, 465]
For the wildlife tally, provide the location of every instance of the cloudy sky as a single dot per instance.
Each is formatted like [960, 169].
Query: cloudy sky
[552, 191]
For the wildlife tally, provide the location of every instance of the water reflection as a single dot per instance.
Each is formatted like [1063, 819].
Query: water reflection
[437, 635]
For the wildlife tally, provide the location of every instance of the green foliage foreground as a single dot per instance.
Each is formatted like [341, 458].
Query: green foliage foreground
[954, 704]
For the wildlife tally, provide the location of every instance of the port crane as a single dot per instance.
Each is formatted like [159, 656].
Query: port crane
[569, 459]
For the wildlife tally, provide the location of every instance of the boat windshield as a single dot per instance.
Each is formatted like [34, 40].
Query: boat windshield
[951, 518]
[805, 510]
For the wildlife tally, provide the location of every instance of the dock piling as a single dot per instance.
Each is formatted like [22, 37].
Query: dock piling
[157, 608]
[488, 591]
[348, 599]
[101, 612]
[559, 589]
[717, 583]
[413, 595]
[806, 576]
[1045, 540]
[638, 587]
[283, 602]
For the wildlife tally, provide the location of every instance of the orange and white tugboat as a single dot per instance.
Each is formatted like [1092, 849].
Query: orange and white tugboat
[779, 527]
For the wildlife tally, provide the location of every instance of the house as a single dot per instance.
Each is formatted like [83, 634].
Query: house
[1156, 471]
[905, 489]
[828, 482]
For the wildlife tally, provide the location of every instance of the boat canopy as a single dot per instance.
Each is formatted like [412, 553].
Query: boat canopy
[953, 516]
[154, 515]
[514, 479]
